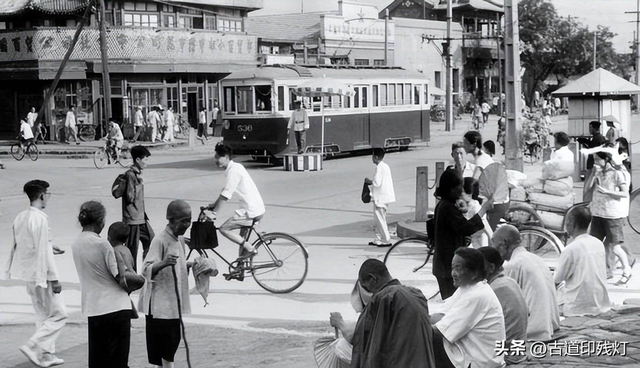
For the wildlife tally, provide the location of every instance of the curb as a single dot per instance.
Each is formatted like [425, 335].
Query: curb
[410, 229]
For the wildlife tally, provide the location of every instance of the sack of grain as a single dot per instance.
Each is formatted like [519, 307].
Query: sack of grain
[515, 178]
[557, 169]
[552, 221]
[559, 187]
[552, 200]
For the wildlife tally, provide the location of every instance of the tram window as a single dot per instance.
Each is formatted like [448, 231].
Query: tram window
[426, 94]
[336, 102]
[391, 94]
[383, 95]
[316, 103]
[416, 94]
[407, 94]
[375, 95]
[364, 96]
[326, 100]
[229, 100]
[280, 97]
[399, 94]
[356, 97]
[245, 100]
[263, 98]
[292, 98]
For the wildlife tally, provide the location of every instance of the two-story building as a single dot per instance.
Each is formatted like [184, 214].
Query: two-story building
[166, 52]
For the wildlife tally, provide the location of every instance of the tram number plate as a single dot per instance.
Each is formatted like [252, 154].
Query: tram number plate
[245, 128]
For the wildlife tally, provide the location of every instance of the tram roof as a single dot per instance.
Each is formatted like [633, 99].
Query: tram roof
[304, 72]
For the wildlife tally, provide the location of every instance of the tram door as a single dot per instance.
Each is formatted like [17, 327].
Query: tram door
[363, 117]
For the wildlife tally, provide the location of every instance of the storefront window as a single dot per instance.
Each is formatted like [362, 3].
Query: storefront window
[280, 97]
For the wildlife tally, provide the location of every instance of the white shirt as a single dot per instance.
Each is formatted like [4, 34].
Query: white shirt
[214, 113]
[604, 205]
[583, 267]
[486, 108]
[25, 131]
[479, 238]
[299, 120]
[70, 122]
[382, 188]
[115, 133]
[31, 118]
[483, 160]
[469, 170]
[239, 181]
[534, 278]
[471, 326]
[31, 257]
[138, 119]
[562, 154]
[169, 118]
[96, 264]
[203, 117]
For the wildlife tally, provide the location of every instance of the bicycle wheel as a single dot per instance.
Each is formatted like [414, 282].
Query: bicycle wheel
[87, 133]
[32, 152]
[125, 158]
[543, 243]
[100, 158]
[634, 211]
[281, 263]
[407, 261]
[17, 152]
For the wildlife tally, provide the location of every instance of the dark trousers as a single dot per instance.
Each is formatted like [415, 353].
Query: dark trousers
[445, 284]
[496, 214]
[301, 140]
[139, 234]
[109, 340]
[440, 355]
[138, 130]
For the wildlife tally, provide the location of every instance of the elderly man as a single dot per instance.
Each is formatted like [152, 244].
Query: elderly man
[467, 333]
[166, 262]
[514, 307]
[394, 328]
[583, 268]
[459, 155]
[534, 278]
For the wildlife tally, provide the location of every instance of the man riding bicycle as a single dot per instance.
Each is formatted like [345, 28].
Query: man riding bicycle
[26, 134]
[251, 204]
[115, 138]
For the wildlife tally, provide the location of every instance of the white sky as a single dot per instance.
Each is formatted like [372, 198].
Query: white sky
[590, 12]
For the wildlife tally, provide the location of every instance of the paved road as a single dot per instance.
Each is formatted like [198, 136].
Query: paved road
[322, 208]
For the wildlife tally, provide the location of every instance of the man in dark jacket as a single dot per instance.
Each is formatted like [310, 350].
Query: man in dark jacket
[133, 213]
[596, 140]
[394, 329]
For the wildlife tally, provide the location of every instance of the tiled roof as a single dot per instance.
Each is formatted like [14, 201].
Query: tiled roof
[490, 5]
[8, 7]
[285, 27]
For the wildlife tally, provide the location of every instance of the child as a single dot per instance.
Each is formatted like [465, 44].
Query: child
[609, 208]
[118, 235]
[382, 194]
[471, 192]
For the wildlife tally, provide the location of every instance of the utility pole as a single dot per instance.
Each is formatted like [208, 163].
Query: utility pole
[514, 108]
[637, 43]
[500, 81]
[106, 81]
[386, 37]
[449, 114]
[595, 47]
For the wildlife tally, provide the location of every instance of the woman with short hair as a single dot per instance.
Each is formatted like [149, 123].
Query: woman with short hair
[104, 302]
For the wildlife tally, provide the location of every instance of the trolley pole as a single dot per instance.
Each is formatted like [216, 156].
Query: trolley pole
[514, 90]
[449, 125]
[386, 37]
[104, 48]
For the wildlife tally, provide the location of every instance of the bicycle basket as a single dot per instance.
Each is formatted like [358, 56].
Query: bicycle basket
[203, 234]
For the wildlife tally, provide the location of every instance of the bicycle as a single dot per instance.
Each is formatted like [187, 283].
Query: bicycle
[182, 128]
[532, 152]
[280, 265]
[29, 148]
[107, 155]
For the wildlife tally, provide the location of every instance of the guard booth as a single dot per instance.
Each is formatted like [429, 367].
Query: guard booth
[592, 97]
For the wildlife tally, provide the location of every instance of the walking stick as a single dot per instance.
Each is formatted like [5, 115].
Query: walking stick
[184, 336]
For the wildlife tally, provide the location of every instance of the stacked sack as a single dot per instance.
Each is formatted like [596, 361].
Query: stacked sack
[554, 189]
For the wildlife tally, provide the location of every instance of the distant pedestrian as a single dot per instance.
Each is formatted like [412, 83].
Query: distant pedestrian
[382, 194]
[299, 121]
[31, 260]
[70, 125]
[104, 302]
[138, 123]
[561, 150]
[31, 117]
[165, 268]
[477, 116]
[202, 125]
[502, 131]
[133, 208]
[26, 134]
[170, 121]
[613, 133]
[486, 109]
[162, 124]
[582, 266]
[496, 103]
[216, 118]
[153, 122]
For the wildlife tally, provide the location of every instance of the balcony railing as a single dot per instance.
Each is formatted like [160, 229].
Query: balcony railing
[129, 43]
[477, 40]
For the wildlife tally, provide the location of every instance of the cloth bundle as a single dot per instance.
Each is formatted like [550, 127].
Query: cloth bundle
[564, 202]
[557, 169]
[559, 187]
[203, 269]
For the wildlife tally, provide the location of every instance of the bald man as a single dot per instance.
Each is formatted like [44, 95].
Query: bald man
[534, 278]
[165, 259]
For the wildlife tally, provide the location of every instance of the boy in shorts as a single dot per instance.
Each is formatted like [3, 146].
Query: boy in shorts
[609, 208]
[129, 279]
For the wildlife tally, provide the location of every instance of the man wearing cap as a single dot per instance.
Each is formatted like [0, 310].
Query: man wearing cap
[596, 140]
[153, 122]
[158, 300]
[115, 138]
[300, 123]
[138, 123]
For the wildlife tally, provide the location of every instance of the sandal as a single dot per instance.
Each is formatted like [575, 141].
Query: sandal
[623, 280]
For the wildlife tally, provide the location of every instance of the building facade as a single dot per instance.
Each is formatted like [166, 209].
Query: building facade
[169, 53]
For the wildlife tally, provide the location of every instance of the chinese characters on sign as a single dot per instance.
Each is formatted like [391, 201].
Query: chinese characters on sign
[336, 28]
[128, 43]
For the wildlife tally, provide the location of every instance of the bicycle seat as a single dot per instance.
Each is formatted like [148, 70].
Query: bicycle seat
[256, 221]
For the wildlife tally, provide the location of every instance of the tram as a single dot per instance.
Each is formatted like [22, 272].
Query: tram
[390, 108]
